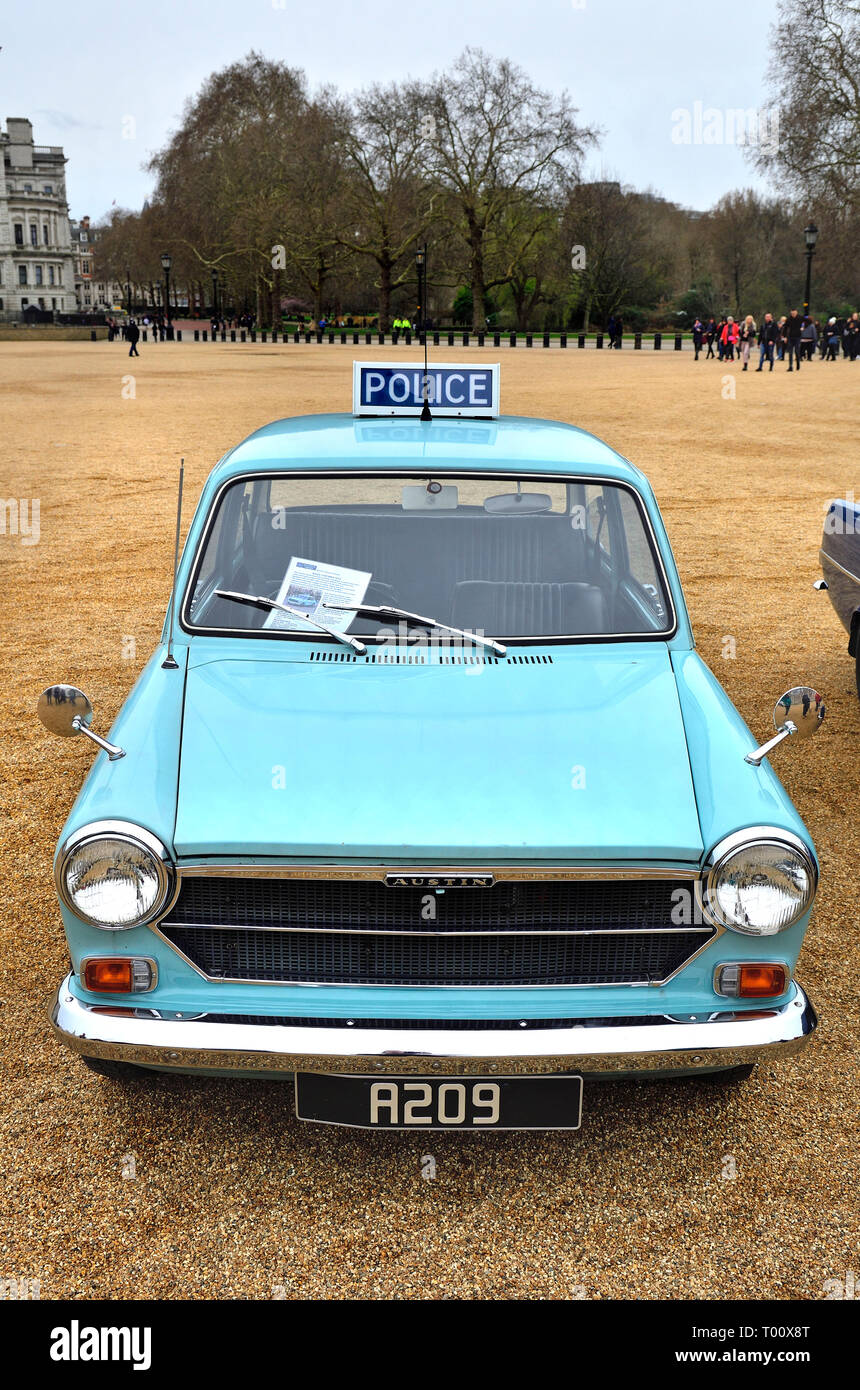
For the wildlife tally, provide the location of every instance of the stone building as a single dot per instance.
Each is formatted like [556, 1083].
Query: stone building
[37, 269]
[93, 296]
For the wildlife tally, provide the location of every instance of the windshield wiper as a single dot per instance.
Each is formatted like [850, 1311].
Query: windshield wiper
[257, 601]
[383, 610]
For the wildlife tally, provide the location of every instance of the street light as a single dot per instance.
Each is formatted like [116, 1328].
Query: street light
[128, 289]
[421, 266]
[166, 263]
[810, 236]
[214, 293]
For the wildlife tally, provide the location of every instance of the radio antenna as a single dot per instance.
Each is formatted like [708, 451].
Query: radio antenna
[422, 309]
[170, 663]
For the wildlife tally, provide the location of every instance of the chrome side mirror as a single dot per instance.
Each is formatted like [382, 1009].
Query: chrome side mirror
[800, 710]
[65, 710]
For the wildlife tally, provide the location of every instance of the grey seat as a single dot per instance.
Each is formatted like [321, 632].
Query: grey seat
[511, 608]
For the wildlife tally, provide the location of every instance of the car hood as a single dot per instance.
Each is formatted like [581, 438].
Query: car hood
[578, 755]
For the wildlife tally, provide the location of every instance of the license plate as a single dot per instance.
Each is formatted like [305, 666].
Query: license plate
[440, 1102]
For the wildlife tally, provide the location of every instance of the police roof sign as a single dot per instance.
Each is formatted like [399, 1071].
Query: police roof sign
[387, 388]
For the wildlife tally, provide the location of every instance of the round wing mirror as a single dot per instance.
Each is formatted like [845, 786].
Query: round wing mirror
[803, 707]
[63, 709]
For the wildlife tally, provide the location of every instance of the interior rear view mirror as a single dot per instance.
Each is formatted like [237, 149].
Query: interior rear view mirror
[519, 503]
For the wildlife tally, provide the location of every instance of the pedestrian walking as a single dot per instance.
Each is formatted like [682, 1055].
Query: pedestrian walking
[698, 333]
[832, 340]
[768, 337]
[710, 335]
[132, 333]
[808, 339]
[729, 339]
[746, 337]
[793, 326]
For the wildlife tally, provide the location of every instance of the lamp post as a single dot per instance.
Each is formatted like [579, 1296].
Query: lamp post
[421, 267]
[214, 293]
[128, 289]
[166, 263]
[810, 235]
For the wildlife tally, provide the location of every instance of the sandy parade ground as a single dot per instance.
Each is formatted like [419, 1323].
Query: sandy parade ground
[231, 1196]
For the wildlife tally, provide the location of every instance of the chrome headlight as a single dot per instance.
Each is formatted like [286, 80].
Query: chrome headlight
[760, 881]
[114, 875]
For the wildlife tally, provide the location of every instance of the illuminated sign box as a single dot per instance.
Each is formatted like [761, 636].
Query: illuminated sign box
[386, 388]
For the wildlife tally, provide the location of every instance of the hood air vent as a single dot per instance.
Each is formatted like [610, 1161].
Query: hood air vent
[428, 658]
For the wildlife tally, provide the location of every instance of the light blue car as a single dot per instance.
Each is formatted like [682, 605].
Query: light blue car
[426, 798]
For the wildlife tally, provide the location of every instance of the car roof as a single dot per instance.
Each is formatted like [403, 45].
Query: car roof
[511, 443]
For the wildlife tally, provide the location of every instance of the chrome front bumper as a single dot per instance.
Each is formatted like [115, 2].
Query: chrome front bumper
[657, 1045]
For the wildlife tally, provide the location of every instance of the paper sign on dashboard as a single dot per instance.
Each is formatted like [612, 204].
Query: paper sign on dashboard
[308, 585]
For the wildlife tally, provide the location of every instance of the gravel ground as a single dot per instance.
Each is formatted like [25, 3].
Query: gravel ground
[211, 1189]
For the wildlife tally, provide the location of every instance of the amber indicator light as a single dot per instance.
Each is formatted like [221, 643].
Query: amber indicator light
[759, 981]
[109, 975]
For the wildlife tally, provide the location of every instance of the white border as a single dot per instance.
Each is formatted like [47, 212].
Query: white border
[439, 412]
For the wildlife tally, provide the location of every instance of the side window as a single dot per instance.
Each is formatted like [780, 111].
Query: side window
[224, 546]
[209, 567]
[640, 560]
[597, 526]
[641, 568]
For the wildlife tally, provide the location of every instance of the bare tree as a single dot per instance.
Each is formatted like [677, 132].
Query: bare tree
[226, 176]
[389, 197]
[616, 258]
[742, 229]
[494, 140]
[814, 76]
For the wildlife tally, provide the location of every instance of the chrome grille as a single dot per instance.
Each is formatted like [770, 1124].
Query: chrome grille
[364, 933]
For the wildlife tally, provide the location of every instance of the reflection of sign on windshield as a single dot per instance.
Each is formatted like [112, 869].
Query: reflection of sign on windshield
[308, 585]
[369, 432]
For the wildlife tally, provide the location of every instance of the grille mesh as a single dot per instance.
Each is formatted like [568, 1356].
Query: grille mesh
[307, 904]
[364, 933]
[390, 959]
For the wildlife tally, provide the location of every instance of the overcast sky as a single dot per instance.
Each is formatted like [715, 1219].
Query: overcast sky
[80, 72]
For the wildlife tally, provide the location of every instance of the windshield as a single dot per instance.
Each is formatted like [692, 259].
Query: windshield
[508, 558]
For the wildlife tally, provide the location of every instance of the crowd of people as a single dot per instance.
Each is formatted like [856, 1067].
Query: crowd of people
[794, 337]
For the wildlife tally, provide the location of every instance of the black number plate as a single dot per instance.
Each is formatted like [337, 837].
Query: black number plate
[440, 1102]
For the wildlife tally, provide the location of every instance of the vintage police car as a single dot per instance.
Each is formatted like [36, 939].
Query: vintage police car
[425, 796]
